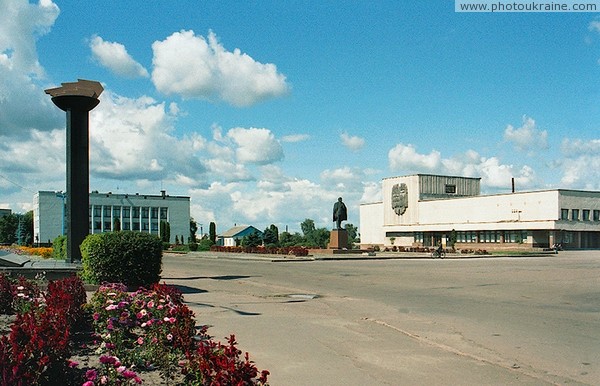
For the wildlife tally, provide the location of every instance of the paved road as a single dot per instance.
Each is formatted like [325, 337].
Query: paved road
[495, 321]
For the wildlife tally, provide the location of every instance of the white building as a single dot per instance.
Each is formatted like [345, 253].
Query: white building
[424, 210]
[110, 212]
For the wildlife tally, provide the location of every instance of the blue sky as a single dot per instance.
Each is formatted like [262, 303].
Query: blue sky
[266, 111]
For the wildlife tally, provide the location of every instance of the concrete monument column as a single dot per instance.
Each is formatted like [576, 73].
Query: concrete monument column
[77, 99]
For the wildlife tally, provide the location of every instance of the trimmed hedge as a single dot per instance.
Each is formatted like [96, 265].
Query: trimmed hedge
[131, 258]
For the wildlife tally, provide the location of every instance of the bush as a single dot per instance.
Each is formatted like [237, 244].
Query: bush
[59, 248]
[193, 246]
[205, 245]
[131, 258]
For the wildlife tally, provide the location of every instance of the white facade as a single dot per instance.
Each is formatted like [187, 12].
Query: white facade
[110, 212]
[423, 210]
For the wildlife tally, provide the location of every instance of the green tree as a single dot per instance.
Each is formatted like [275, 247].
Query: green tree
[193, 230]
[318, 238]
[271, 236]
[287, 239]
[212, 232]
[252, 240]
[352, 234]
[307, 226]
[28, 223]
[165, 231]
[8, 229]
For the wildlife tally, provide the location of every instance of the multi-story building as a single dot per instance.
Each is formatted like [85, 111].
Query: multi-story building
[425, 210]
[110, 212]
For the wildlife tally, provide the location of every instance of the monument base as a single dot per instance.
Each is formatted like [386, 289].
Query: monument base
[338, 239]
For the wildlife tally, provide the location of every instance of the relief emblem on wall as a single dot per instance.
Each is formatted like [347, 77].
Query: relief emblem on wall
[399, 198]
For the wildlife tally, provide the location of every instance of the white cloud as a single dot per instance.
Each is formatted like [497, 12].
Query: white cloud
[405, 157]
[494, 175]
[295, 138]
[131, 138]
[257, 146]
[581, 164]
[197, 67]
[23, 103]
[527, 137]
[115, 57]
[352, 142]
[345, 178]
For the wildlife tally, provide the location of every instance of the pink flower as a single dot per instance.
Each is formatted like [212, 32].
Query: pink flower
[88, 383]
[96, 316]
[104, 380]
[129, 374]
[111, 307]
[140, 340]
[120, 369]
[151, 304]
[91, 375]
[72, 364]
[169, 337]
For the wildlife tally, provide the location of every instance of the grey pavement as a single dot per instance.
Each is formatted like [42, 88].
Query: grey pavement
[487, 321]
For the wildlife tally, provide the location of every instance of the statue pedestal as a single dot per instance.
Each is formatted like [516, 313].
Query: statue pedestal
[338, 239]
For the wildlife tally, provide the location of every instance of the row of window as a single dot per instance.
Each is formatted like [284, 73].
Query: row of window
[117, 211]
[580, 215]
[482, 237]
[107, 226]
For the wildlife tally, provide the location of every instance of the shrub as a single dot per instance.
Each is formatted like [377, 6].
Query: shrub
[205, 245]
[131, 258]
[214, 363]
[193, 246]
[59, 248]
[67, 295]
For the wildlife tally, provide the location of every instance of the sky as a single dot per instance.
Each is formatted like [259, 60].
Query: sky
[265, 112]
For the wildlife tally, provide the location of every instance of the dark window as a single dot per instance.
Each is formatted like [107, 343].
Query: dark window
[575, 214]
[450, 189]
[586, 215]
[596, 215]
[564, 214]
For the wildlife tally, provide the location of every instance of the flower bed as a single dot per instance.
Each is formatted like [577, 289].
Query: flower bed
[295, 251]
[130, 335]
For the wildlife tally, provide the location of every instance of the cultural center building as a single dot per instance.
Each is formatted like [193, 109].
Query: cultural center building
[424, 210]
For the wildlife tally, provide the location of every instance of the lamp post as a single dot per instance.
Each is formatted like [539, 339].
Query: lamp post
[77, 99]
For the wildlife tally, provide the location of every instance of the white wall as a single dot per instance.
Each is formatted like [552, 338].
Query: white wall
[371, 224]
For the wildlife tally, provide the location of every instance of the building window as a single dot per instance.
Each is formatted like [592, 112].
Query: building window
[564, 214]
[116, 211]
[126, 226]
[145, 211]
[575, 214]
[450, 189]
[97, 211]
[106, 211]
[596, 215]
[126, 212]
[154, 212]
[586, 215]
[418, 237]
[163, 213]
[135, 211]
[107, 226]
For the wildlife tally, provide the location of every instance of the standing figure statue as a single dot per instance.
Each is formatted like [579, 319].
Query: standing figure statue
[340, 213]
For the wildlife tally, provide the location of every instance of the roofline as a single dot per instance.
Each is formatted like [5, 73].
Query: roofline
[111, 194]
[433, 175]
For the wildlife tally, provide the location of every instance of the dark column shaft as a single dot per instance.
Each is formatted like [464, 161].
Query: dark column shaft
[77, 181]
